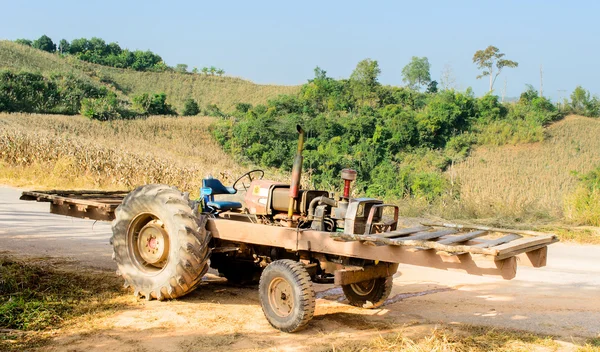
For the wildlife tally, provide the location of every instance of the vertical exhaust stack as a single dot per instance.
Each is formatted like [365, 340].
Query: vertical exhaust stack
[348, 175]
[296, 172]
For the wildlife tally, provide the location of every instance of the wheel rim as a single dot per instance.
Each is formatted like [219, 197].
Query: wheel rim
[281, 298]
[148, 243]
[363, 288]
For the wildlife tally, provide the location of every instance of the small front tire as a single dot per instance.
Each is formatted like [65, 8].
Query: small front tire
[369, 294]
[286, 295]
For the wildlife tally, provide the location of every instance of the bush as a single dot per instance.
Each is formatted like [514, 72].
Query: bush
[583, 206]
[213, 110]
[152, 104]
[190, 107]
[102, 109]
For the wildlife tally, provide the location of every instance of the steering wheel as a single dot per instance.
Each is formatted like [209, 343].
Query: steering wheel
[250, 175]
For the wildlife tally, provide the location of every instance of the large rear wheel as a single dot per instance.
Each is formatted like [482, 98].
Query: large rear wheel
[160, 246]
[286, 295]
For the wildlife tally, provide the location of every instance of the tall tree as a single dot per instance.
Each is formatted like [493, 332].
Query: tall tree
[491, 61]
[416, 73]
[64, 46]
[364, 79]
[44, 43]
[448, 81]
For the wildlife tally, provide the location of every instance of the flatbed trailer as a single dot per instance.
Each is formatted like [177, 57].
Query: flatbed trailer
[477, 250]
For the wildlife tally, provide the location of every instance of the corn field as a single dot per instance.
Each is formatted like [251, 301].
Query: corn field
[60, 151]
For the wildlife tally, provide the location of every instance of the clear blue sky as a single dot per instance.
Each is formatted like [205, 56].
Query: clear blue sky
[281, 42]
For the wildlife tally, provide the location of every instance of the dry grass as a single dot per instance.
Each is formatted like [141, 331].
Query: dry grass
[455, 339]
[38, 297]
[73, 152]
[531, 181]
[223, 91]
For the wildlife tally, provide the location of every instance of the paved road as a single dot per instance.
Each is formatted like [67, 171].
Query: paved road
[562, 298]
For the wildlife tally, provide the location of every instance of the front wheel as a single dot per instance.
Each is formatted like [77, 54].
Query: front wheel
[286, 295]
[369, 294]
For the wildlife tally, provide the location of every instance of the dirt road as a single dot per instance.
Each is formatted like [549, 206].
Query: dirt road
[561, 299]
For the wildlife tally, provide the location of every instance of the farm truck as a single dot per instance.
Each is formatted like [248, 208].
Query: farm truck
[285, 238]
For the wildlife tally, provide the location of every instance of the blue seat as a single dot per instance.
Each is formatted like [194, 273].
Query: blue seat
[211, 187]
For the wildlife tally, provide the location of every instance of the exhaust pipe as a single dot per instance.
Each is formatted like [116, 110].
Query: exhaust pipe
[296, 172]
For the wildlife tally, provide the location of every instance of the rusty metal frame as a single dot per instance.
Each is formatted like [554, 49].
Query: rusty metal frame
[369, 225]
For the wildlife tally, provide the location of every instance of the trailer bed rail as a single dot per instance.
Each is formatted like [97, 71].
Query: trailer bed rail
[86, 204]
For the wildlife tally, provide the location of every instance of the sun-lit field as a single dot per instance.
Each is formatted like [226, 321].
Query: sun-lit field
[529, 180]
[55, 151]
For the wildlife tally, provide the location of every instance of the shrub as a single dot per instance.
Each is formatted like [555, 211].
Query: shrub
[583, 206]
[190, 107]
[102, 109]
[153, 104]
[243, 107]
[213, 110]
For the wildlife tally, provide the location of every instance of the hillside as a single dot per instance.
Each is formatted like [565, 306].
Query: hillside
[223, 91]
[529, 180]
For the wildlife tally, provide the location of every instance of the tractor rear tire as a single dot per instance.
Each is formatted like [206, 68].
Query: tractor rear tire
[369, 294]
[286, 295]
[160, 246]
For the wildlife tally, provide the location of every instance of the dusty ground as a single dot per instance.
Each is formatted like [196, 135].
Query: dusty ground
[562, 299]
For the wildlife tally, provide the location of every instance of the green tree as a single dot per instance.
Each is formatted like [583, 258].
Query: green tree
[195, 70]
[416, 73]
[583, 103]
[190, 107]
[220, 72]
[181, 68]
[64, 46]
[212, 70]
[25, 42]
[205, 70]
[489, 60]
[44, 43]
[364, 79]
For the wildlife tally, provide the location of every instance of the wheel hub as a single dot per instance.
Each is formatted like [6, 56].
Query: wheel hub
[363, 288]
[281, 298]
[153, 243]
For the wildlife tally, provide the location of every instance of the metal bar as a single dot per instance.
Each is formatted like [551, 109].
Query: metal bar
[369, 225]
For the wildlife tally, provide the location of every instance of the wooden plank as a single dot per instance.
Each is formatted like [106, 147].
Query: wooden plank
[523, 243]
[403, 232]
[534, 258]
[485, 228]
[342, 237]
[462, 238]
[428, 235]
[498, 241]
[523, 247]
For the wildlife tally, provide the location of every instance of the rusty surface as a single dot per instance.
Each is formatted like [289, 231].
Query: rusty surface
[354, 275]
[325, 242]
[95, 205]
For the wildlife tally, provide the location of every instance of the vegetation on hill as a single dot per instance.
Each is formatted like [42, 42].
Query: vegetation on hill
[400, 140]
[206, 89]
